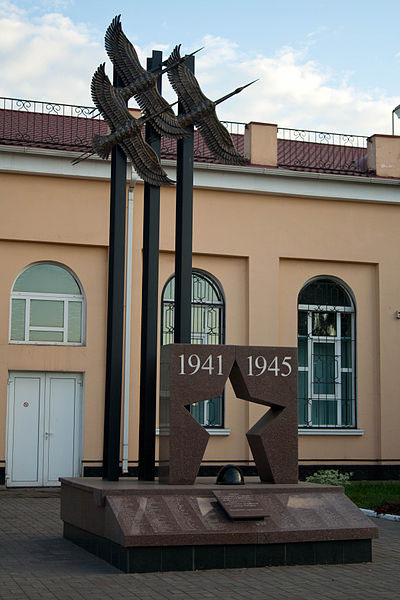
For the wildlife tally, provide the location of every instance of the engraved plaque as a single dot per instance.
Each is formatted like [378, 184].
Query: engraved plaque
[241, 506]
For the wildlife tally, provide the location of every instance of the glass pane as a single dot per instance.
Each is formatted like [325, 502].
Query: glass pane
[45, 336]
[215, 412]
[303, 352]
[347, 403]
[347, 413]
[324, 292]
[303, 393]
[346, 386]
[203, 290]
[324, 324]
[48, 279]
[47, 313]
[168, 324]
[346, 355]
[324, 413]
[324, 368]
[18, 320]
[74, 322]
[197, 410]
[169, 291]
[302, 322]
[212, 323]
[346, 325]
[198, 325]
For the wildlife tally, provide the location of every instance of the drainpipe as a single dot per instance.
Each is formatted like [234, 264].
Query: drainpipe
[128, 309]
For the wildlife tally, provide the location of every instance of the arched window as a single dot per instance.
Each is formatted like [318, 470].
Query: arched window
[47, 306]
[208, 320]
[326, 343]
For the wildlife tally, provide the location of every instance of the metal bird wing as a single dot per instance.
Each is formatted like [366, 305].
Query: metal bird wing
[114, 110]
[122, 54]
[218, 140]
[141, 83]
[215, 135]
[185, 83]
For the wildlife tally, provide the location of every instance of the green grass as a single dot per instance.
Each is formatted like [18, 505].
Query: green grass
[369, 494]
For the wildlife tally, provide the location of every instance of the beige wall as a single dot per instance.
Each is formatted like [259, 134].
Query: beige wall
[261, 248]
[61, 220]
[89, 264]
[54, 209]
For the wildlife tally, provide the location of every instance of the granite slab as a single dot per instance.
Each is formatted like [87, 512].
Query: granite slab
[136, 515]
[266, 375]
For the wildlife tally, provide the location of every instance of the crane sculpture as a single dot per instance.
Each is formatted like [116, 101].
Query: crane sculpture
[132, 80]
[126, 131]
[200, 111]
[141, 84]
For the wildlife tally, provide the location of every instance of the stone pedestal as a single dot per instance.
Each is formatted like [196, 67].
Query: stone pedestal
[147, 526]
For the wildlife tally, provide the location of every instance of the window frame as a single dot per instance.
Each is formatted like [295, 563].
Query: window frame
[336, 340]
[48, 296]
[211, 280]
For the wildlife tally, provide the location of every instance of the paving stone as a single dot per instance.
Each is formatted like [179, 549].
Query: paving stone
[37, 563]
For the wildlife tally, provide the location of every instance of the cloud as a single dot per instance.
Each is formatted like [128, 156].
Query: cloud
[293, 91]
[47, 56]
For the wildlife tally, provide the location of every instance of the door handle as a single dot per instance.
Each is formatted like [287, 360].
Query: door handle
[47, 435]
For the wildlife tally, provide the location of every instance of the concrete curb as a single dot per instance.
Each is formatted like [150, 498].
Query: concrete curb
[372, 513]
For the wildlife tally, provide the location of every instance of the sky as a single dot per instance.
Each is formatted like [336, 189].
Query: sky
[322, 65]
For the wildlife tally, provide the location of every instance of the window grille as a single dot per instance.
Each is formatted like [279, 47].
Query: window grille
[208, 319]
[326, 345]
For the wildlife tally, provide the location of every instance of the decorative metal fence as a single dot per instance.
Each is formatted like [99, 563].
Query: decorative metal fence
[200, 152]
[318, 151]
[70, 127]
[49, 124]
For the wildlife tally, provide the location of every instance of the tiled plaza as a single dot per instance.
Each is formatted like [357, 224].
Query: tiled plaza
[37, 563]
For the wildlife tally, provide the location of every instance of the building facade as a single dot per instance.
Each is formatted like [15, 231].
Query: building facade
[299, 248]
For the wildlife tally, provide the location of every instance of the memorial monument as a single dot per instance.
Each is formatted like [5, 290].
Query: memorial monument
[180, 522]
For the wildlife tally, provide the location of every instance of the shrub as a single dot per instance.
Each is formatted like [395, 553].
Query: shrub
[329, 477]
[389, 508]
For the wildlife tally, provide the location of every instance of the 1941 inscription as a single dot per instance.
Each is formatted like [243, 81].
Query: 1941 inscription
[257, 366]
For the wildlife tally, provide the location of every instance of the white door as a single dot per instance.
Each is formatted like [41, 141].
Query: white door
[43, 430]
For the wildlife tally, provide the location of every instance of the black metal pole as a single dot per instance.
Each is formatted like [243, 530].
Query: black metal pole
[115, 314]
[148, 363]
[184, 233]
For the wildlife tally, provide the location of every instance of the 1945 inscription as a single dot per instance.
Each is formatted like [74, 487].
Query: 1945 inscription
[213, 365]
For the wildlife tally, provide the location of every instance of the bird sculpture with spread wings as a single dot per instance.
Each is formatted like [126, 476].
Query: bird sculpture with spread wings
[125, 131]
[139, 83]
[200, 111]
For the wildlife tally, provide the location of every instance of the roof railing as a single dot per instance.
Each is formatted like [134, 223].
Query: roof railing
[49, 124]
[71, 127]
[307, 150]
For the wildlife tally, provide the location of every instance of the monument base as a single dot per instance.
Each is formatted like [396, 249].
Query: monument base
[145, 526]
